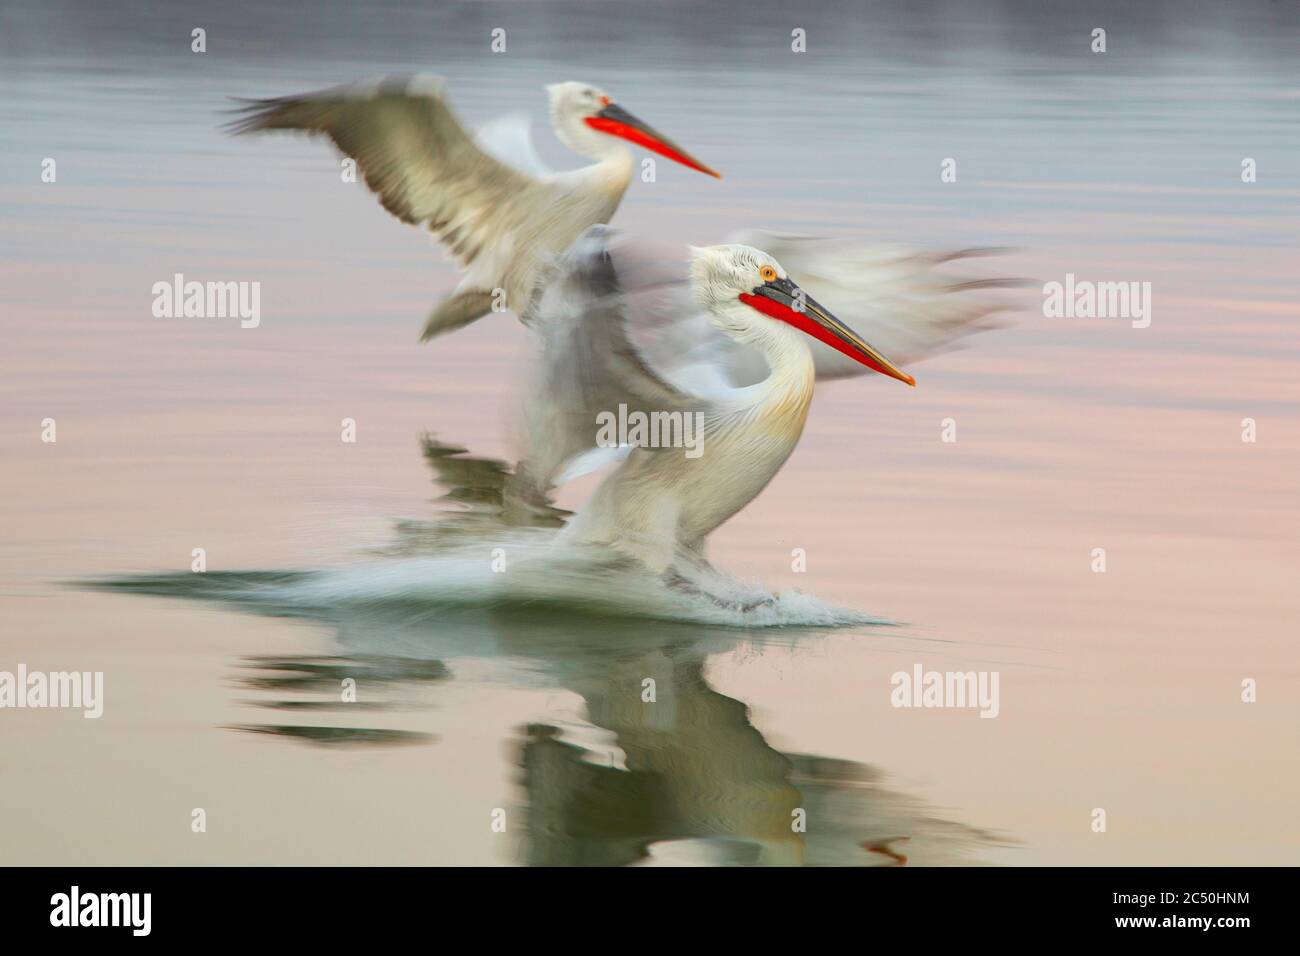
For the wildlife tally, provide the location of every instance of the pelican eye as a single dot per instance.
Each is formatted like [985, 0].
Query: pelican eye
[768, 273]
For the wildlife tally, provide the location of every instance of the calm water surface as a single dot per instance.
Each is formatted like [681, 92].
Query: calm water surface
[1119, 691]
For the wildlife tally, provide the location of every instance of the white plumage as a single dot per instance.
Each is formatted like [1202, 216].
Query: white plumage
[658, 328]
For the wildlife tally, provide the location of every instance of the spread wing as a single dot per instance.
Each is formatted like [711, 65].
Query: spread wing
[415, 156]
[896, 299]
[618, 327]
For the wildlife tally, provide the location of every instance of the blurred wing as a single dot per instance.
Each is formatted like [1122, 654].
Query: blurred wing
[415, 156]
[619, 327]
[894, 298]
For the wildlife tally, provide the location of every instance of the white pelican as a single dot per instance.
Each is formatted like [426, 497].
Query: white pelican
[732, 355]
[504, 222]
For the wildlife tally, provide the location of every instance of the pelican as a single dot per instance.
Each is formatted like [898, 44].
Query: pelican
[721, 336]
[505, 221]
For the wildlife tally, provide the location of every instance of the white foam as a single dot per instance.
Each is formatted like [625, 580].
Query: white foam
[534, 567]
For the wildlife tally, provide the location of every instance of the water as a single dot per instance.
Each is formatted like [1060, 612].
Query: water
[1119, 691]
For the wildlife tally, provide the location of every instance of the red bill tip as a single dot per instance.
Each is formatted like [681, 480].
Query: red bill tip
[804, 323]
[642, 138]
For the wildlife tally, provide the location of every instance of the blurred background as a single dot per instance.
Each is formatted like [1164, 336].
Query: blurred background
[1119, 690]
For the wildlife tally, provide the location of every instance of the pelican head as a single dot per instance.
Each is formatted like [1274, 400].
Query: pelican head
[585, 116]
[750, 297]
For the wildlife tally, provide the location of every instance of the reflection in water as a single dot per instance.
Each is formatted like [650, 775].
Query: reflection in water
[332, 736]
[688, 778]
[326, 676]
[659, 768]
[310, 673]
[480, 488]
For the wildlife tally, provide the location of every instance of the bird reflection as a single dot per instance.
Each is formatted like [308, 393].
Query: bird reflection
[686, 778]
[273, 676]
[657, 766]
